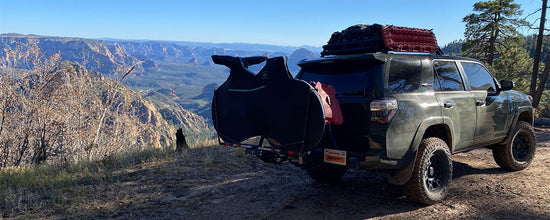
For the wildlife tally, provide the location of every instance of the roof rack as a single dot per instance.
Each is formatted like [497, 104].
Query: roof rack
[377, 38]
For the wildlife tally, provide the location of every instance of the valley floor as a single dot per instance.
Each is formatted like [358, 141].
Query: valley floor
[222, 183]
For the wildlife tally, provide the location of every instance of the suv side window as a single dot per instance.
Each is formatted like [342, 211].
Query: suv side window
[478, 77]
[405, 75]
[448, 76]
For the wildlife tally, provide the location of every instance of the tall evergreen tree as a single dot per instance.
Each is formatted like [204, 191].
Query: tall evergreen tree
[488, 26]
[537, 91]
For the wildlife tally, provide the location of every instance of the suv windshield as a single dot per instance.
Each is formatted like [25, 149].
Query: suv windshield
[347, 79]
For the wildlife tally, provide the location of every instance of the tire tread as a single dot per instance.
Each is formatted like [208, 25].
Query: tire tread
[503, 153]
[416, 189]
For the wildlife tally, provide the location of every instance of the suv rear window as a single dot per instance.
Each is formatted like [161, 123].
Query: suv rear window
[405, 75]
[447, 76]
[347, 79]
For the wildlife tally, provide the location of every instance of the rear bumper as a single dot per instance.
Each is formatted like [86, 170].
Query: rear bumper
[372, 160]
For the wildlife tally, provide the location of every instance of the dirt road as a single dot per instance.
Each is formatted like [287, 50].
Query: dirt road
[223, 183]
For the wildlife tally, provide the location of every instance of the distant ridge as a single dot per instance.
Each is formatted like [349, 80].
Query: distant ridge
[229, 46]
[106, 55]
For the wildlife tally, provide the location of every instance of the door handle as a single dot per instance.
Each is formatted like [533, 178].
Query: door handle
[480, 103]
[448, 104]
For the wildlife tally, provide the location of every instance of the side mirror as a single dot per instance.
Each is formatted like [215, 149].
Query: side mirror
[507, 84]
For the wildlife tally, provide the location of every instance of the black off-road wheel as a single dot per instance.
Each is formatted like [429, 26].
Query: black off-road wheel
[432, 174]
[518, 153]
[321, 172]
[267, 156]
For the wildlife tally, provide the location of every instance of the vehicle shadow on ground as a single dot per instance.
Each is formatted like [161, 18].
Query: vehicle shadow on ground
[359, 195]
[541, 137]
[463, 169]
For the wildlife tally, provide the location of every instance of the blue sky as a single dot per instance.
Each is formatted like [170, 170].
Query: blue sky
[283, 22]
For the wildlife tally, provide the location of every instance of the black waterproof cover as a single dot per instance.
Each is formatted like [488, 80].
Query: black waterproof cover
[356, 39]
[271, 104]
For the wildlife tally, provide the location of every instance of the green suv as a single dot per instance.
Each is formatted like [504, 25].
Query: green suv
[406, 113]
[361, 106]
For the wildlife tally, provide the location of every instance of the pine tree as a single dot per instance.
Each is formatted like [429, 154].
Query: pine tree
[514, 64]
[486, 30]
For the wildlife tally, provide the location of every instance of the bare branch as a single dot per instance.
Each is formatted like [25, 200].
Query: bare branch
[127, 73]
[533, 13]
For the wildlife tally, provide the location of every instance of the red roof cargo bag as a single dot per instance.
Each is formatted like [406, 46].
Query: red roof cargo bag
[406, 39]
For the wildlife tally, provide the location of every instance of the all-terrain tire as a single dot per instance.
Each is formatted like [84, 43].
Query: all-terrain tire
[267, 156]
[432, 173]
[518, 153]
[321, 172]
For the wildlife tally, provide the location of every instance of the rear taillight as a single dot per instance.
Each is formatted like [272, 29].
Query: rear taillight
[383, 110]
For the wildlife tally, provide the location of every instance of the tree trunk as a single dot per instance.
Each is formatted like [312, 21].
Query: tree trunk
[492, 41]
[538, 48]
[538, 94]
[491, 54]
[40, 153]
[22, 150]
[2, 120]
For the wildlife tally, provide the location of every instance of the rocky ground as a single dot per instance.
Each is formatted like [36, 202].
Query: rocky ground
[223, 183]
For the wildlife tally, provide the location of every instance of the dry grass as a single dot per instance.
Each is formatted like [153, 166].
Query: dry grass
[79, 188]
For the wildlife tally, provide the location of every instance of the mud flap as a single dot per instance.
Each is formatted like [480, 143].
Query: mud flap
[401, 177]
[271, 104]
